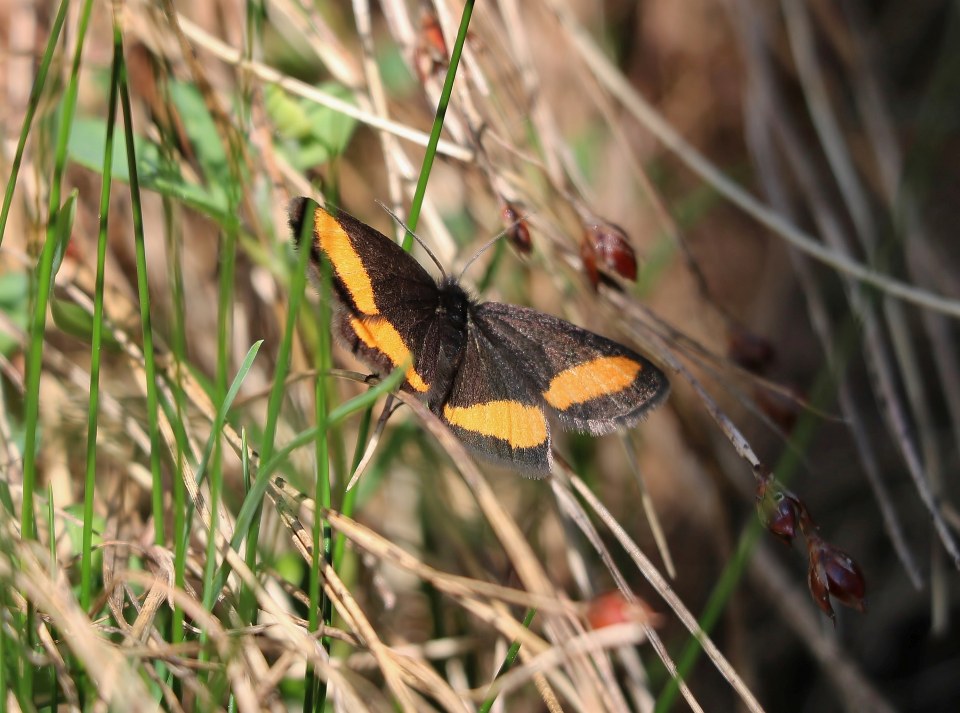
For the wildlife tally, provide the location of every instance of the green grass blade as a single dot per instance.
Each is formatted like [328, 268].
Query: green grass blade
[143, 293]
[61, 224]
[36, 91]
[179, 346]
[315, 690]
[275, 401]
[267, 468]
[58, 229]
[508, 660]
[437, 128]
[212, 581]
[86, 556]
[52, 543]
[45, 274]
[221, 417]
[350, 498]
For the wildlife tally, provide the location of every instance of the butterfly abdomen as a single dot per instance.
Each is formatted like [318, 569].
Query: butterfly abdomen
[446, 340]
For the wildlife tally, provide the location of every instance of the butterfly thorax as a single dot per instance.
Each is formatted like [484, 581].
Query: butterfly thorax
[453, 305]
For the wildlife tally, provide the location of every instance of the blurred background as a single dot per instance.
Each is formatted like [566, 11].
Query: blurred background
[762, 197]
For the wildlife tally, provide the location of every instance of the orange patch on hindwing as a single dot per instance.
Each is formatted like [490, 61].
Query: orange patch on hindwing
[603, 376]
[520, 425]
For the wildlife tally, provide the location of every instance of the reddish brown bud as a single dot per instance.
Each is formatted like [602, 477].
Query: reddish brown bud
[606, 250]
[780, 511]
[832, 572]
[516, 228]
[783, 520]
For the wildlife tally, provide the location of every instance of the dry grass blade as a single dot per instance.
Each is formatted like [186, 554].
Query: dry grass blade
[772, 220]
[888, 364]
[272, 76]
[777, 181]
[663, 588]
[109, 668]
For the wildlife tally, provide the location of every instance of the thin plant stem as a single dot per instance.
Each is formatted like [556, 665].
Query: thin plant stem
[431, 152]
[143, 293]
[90, 479]
[36, 91]
[508, 660]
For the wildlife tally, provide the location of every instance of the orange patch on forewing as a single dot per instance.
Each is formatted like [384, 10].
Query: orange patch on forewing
[335, 242]
[602, 376]
[379, 334]
[518, 424]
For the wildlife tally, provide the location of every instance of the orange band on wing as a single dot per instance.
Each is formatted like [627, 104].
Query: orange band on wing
[379, 334]
[335, 242]
[520, 425]
[602, 376]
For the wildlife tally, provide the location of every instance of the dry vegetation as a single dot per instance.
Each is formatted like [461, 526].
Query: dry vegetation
[786, 173]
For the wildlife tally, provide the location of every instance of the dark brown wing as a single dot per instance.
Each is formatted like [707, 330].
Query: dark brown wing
[390, 301]
[591, 383]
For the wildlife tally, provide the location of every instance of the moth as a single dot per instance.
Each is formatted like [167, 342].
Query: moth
[493, 373]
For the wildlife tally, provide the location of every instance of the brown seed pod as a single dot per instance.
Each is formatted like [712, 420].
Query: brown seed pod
[516, 228]
[605, 251]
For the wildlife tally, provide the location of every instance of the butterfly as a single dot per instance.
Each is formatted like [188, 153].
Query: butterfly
[493, 373]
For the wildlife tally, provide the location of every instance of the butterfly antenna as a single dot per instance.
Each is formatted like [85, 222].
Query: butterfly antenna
[489, 243]
[480, 252]
[417, 238]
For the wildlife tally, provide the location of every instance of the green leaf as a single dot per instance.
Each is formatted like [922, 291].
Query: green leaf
[87, 142]
[15, 303]
[72, 319]
[63, 228]
[156, 172]
[396, 72]
[332, 128]
[290, 567]
[312, 134]
[14, 291]
[205, 140]
[289, 116]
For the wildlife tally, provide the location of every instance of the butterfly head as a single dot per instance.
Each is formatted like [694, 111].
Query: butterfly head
[454, 303]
